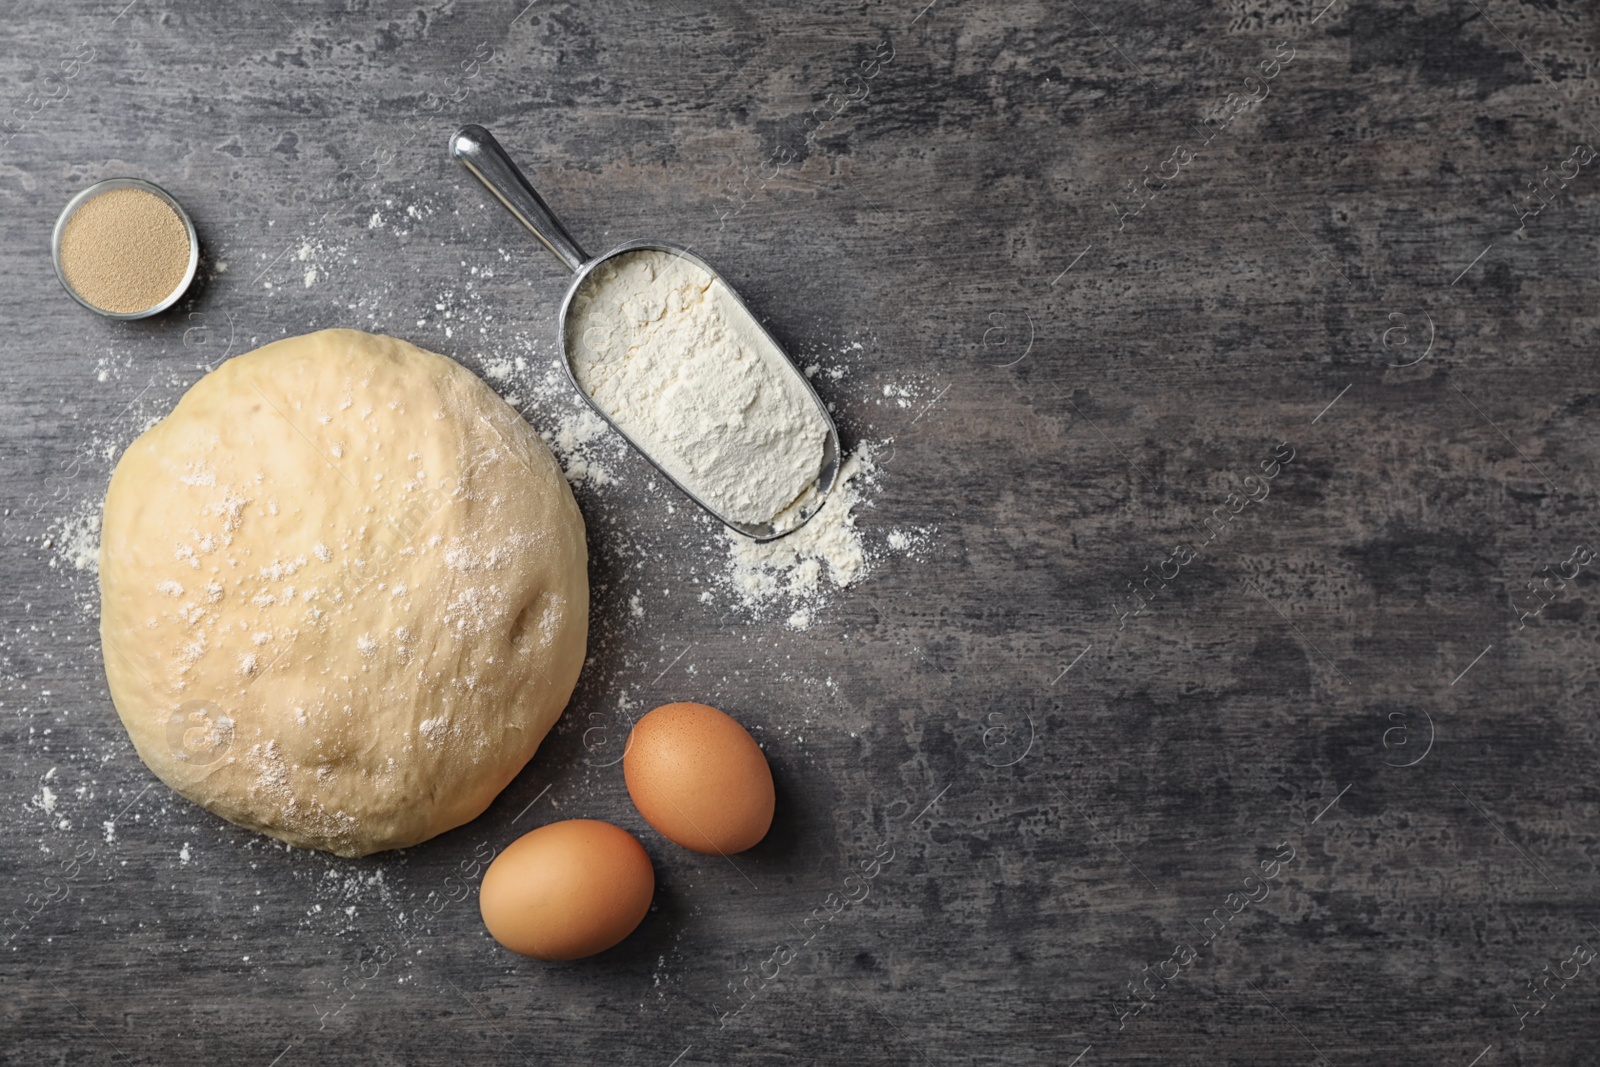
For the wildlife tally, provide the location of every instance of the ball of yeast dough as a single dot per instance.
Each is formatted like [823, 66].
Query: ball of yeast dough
[344, 593]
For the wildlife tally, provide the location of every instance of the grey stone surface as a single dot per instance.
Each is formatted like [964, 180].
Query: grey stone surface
[1110, 256]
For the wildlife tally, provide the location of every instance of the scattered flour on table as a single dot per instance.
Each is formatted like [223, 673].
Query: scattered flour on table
[317, 255]
[45, 801]
[75, 539]
[576, 438]
[911, 541]
[803, 571]
[799, 569]
[580, 439]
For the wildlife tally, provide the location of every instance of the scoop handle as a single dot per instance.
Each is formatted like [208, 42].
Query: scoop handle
[476, 149]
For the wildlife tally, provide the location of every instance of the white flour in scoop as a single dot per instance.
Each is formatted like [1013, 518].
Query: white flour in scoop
[667, 351]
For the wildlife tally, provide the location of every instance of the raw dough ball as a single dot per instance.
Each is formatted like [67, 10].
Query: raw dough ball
[344, 593]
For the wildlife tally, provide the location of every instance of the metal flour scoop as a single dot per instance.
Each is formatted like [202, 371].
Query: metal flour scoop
[477, 150]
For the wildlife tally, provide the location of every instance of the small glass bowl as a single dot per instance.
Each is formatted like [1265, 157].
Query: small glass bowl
[105, 187]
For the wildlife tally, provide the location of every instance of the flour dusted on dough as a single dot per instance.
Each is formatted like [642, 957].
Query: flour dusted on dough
[669, 354]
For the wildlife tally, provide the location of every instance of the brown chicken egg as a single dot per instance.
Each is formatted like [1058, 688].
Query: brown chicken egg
[567, 890]
[699, 778]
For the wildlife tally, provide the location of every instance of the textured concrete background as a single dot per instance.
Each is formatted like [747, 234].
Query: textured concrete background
[1108, 260]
